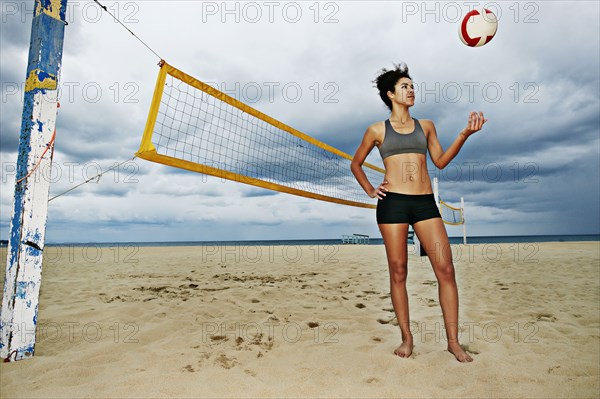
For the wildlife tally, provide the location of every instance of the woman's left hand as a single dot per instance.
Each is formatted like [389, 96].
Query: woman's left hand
[475, 123]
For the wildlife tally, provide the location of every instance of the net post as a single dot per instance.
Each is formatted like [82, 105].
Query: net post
[464, 221]
[436, 193]
[416, 244]
[30, 206]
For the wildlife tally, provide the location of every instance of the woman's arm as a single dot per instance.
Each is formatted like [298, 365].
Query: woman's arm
[368, 142]
[442, 158]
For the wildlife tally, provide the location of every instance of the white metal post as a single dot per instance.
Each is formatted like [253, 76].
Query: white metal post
[464, 220]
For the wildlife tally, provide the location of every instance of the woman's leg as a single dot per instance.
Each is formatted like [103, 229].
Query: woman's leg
[433, 237]
[394, 238]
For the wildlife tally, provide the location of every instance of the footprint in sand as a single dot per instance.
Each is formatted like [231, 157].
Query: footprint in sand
[204, 356]
[553, 369]
[372, 380]
[265, 345]
[391, 321]
[360, 306]
[546, 317]
[191, 286]
[470, 349]
[431, 302]
[188, 368]
[226, 362]
[219, 338]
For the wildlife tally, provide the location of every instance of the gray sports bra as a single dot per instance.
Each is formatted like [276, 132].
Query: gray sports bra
[398, 143]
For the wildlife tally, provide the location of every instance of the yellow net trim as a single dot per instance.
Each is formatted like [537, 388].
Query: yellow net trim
[451, 215]
[193, 126]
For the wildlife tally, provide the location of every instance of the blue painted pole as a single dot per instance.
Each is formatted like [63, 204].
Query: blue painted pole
[18, 319]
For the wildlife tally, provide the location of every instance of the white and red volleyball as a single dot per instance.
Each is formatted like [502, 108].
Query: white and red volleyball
[478, 27]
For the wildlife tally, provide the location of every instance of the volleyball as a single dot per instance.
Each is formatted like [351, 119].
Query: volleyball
[478, 28]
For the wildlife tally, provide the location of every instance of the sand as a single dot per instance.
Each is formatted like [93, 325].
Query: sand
[309, 321]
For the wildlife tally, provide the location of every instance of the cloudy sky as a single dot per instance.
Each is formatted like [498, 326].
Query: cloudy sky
[534, 169]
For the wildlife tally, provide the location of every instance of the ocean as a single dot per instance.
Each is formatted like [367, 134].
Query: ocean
[338, 241]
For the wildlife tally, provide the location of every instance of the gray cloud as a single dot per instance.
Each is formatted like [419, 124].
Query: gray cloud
[542, 133]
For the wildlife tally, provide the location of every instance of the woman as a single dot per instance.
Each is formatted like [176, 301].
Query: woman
[406, 198]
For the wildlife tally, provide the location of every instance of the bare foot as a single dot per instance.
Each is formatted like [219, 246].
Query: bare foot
[459, 353]
[404, 350]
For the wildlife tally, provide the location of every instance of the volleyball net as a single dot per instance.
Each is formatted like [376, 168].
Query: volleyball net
[193, 126]
[451, 215]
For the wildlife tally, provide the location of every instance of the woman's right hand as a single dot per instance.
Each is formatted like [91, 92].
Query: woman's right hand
[380, 191]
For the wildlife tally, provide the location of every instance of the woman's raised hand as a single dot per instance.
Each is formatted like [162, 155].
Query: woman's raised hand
[475, 123]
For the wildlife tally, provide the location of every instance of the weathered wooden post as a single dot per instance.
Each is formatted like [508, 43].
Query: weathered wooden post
[18, 320]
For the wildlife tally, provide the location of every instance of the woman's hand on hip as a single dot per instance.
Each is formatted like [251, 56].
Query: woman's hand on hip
[380, 191]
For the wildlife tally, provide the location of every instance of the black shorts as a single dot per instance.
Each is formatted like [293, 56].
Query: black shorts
[406, 208]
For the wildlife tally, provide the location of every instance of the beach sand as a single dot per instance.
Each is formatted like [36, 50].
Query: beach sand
[309, 321]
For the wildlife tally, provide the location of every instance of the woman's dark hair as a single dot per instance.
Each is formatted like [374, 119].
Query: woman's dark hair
[387, 79]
